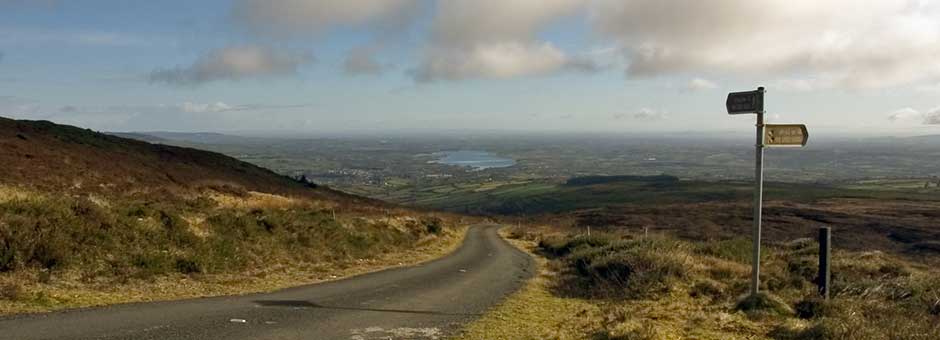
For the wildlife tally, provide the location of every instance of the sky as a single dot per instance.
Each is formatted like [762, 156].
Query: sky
[314, 66]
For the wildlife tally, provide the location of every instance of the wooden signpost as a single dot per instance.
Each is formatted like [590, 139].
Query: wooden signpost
[771, 135]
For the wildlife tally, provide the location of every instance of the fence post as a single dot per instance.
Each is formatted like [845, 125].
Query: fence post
[825, 250]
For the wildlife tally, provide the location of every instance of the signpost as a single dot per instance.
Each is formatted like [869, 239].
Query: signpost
[767, 136]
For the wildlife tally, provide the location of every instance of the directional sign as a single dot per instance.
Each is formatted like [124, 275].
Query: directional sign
[785, 135]
[745, 102]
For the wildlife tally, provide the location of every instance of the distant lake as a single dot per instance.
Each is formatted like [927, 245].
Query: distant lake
[478, 160]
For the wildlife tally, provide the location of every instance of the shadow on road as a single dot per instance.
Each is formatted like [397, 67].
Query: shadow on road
[308, 304]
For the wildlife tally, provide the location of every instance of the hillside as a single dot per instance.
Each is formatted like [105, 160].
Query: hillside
[46, 155]
[88, 218]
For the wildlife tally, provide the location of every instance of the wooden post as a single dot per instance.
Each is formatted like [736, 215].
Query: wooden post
[825, 249]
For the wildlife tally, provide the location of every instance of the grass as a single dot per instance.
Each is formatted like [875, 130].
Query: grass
[660, 287]
[534, 312]
[63, 251]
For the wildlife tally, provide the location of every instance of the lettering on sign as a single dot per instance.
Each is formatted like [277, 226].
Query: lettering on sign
[781, 135]
[745, 102]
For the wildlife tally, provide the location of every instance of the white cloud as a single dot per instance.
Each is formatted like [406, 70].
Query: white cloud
[642, 114]
[494, 39]
[837, 43]
[649, 114]
[299, 19]
[905, 114]
[202, 108]
[699, 84]
[932, 117]
[504, 60]
[232, 63]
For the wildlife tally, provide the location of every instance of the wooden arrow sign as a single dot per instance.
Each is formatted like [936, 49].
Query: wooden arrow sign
[785, 135]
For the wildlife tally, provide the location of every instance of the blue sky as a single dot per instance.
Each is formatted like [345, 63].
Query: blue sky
[842, 67]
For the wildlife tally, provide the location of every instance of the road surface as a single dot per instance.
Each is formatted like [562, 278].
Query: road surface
[428, 301]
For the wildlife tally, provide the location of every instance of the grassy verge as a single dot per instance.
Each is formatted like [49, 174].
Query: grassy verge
[59, 252]
[533, 312]
[659, 287]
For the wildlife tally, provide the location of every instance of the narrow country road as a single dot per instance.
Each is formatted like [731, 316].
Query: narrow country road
[428, 301]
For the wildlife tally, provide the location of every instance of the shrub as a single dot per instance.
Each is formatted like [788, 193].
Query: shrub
[633, 269]
[11, 291]
[763, 303]
[707, 288]
[433, 225]
[815, 307]
[561, 246]
[187, 266]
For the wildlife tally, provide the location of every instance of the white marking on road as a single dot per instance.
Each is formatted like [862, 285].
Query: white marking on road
[238, 320]
[379, 333]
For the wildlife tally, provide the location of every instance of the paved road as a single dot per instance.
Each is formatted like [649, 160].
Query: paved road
[428, 301]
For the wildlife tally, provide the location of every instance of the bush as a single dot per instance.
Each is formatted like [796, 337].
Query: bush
[633, 269]
[433, 225]
[11, 291]
[562, 246]
[187, 266]
[707, 288]
[763, 303]
[812, 308]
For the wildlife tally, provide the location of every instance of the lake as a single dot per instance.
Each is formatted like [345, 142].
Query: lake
[478, 160]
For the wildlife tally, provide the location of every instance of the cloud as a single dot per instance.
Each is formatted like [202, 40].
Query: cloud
[494, 39]
[700, 84]
[1, 56]
[202, 108]
[361, 60]
[932, 117]
[906, 113]
[217, 107]
[233, 63]
[878, 44]
[290, 18]
[68, 109]
[649, 114]
[504, 60]
[642, 114]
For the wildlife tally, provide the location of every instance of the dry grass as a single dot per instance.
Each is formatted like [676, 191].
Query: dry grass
[116, 251]
[534, 312]
[69, 289]
[877, 296]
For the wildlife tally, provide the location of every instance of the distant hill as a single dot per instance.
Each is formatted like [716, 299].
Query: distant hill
[189, 137]
[46, 155]
[140, 136]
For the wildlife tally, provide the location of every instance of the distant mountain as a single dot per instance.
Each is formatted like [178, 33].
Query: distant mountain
[194, 137]
[140, 136]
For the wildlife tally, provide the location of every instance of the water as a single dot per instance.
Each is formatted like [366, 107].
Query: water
[478, 160]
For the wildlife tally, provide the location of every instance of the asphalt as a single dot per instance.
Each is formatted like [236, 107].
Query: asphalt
[427, 301]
